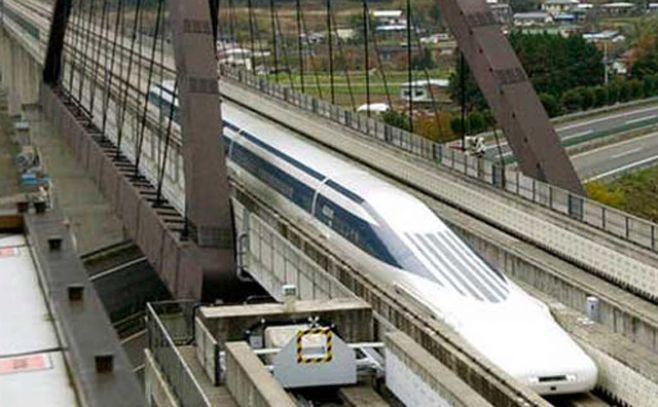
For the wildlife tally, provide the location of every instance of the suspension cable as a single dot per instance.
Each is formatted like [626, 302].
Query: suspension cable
[259, 40]
[409, 70]
[285, 50]
[344, 60]
[163, 163]
[299, 45]
[366, 28]
[99, 44]
[311, 54]
[382, 71]
[331, 53]
[251, 35]
[427, 79]
[128, 76]
[274, 44]
[140, 143]
[109, 76]
[87, 33]
[76, 42]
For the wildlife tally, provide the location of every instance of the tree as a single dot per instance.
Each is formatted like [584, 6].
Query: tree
[586, 97]
[476, 122]
[635, 86]
[422, 60]
[600, 96]
[435, 14]
[553, 63]
[397, 119]
[551, 104]
[649, 85]
[625, 91]
[572, 100]
[456, 125]
[522, 6]
[472, 95]
[614, 93]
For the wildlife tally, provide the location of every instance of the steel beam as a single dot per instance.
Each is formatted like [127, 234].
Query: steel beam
[509, 93]
[53, 65]
[206, 181]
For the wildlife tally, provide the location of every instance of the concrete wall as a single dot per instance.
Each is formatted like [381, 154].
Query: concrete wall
[424, 376]
[21, 73]
[353, 318]
[249, 382]
[155, 385]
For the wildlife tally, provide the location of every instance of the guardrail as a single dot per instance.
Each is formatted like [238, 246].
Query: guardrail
[614, 221]
[164, 349]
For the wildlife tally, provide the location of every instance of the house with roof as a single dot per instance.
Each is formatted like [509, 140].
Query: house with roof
[532, 18]
[619, 8]
[558, 7]
[422, 91]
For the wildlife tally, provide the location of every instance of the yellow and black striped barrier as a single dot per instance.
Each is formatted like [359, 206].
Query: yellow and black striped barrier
[328, 354]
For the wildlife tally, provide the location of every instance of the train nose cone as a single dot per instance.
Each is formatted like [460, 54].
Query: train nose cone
[539, 354]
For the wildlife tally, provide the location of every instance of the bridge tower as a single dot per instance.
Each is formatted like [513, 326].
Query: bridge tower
[204, 264]
[509, 93]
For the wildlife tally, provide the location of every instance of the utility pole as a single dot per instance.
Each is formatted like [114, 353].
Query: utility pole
[605, 62]
[409, 68]
[366, 28]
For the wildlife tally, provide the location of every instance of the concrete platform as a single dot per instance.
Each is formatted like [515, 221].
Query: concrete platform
[92, 220]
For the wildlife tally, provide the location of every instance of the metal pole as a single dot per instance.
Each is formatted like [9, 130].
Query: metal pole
[462, 98]
[274, 45]
[299, 45]
[331, 52]
[367, 59]
[409, 69]
[251, 36]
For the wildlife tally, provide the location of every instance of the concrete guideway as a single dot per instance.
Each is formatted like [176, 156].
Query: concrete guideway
[227, 86]
[607, 256]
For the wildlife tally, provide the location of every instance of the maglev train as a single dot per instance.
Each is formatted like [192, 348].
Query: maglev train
[403, 244]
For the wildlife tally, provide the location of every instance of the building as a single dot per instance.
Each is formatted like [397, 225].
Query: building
[557, 7]
[534, 18]
[502, 12]
[618, 8]
[604, 37]
[346, 34]
[388, 17]
[435, 38]
[421, 91]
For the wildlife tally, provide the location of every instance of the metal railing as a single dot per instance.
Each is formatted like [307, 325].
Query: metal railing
[162, 320]
[577, 207]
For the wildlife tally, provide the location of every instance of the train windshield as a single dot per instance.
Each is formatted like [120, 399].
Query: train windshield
[443, 258]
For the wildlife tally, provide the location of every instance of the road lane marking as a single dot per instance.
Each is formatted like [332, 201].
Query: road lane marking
[613, 145]
[641, 119]
[635, 150]
[605, 118]
[623, 168]
[579, 134]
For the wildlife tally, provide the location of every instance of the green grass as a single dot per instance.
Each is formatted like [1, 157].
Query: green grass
[635, 193]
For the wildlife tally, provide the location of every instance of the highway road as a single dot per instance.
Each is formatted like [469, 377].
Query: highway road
[613, 160]
[589, 129]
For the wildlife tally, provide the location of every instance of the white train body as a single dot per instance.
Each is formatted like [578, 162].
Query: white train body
[403, 244]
